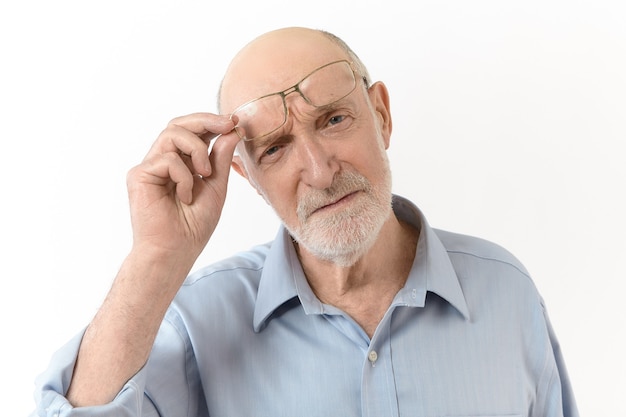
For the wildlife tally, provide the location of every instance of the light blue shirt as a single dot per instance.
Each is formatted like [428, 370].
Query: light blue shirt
[468, 335]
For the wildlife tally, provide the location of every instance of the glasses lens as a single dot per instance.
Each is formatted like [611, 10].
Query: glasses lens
[322, 87]
[260, 117]
[328, 84]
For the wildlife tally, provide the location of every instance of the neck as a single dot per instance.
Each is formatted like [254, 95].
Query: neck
[365, 289]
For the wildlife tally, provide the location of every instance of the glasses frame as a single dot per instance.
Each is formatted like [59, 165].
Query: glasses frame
[295, 88]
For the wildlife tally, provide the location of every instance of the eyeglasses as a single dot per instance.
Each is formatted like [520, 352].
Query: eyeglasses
[322, 87]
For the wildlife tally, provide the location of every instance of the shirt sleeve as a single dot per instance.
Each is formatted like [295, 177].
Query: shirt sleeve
[52, 385]
[168, 385]
[554, 392]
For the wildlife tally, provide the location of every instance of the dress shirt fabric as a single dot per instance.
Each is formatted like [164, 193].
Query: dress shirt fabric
[468, 335]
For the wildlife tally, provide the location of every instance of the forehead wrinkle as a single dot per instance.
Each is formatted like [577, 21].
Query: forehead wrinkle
[275, 52]
[279, 91]
[279, 80]
[307, 109]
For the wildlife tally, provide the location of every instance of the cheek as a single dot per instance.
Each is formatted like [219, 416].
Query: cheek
[367, 154]
[373, 164]
[280, 193]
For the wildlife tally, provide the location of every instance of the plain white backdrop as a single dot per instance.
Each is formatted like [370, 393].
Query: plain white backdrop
[509, 124]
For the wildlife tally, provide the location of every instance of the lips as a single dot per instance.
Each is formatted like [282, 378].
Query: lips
[335, 202]
[344, 188]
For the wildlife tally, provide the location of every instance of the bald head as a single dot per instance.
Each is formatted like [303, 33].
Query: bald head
[277, 60]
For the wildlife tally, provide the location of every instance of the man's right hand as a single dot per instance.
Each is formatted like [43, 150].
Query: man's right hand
[176, 197]
[177, 193]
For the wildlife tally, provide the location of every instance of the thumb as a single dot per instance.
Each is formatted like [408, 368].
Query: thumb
[221, 156]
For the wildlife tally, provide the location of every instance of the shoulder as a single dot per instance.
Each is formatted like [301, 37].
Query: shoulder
[493, 279]
[239, 265]
[479, 250]
[235, 276]
[224, 291]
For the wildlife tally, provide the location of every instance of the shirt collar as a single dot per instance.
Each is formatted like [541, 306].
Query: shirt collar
[282, 278]
[432, 269]
[277, 284]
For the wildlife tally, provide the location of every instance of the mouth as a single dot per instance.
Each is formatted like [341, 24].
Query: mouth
[336, 204]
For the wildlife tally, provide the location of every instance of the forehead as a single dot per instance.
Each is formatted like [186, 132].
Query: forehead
[274, 63]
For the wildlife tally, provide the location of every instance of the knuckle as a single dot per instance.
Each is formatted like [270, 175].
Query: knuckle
[175, 121]
[132, 176]
[170, 157]
[132, 173]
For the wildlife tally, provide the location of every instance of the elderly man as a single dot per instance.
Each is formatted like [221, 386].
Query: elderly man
[357, 308]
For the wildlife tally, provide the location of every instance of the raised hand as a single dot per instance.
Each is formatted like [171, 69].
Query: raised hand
[177, 193]
[176, 197]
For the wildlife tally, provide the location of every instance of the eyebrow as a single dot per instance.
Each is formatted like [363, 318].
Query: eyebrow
[332, 106]
[260, 142]
[255, 144]
[329, 107]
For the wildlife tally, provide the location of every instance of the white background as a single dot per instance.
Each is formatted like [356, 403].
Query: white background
[509, 123]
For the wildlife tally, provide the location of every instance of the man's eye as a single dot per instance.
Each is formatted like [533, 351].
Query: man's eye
[272, 150]
[336, 119]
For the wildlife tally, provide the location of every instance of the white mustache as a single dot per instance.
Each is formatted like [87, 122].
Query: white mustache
[343, 184]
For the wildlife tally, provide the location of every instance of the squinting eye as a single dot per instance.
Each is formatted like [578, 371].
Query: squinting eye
[336, 119]
[272, 150]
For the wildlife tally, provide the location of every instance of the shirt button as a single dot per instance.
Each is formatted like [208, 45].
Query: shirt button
[372, 356]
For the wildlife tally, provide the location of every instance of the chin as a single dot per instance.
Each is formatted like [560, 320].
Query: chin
[343, 258]
[345, 238]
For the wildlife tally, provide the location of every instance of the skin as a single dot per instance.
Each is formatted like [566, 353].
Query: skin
[309, 157]
[177, 192]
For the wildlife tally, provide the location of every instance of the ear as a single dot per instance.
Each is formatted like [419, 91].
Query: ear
[379, 97]
[239, 167]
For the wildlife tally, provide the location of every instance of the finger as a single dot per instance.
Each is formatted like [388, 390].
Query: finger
[190, 135]
[187, 160]
[176, 139]
[166, 169]
[222, 155]
[205, 125]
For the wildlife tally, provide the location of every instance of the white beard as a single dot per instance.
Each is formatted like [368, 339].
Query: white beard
[344, 237]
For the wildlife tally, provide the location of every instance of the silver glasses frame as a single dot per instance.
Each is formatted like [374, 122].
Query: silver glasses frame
[295, 88]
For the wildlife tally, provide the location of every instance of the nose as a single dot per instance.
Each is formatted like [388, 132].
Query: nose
[316, 161]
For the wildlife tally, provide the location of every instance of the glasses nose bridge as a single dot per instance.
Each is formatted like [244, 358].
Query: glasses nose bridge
[293, 89]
